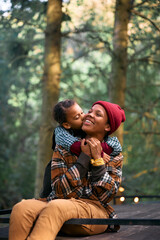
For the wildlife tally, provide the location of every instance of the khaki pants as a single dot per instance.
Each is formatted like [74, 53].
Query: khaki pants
[36, 220]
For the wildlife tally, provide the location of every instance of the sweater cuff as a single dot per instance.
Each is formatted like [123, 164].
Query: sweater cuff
[82, 164]
[76, 148]
[98, 172]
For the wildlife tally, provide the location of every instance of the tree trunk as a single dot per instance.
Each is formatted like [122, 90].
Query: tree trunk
[50, 89]
[117, 83]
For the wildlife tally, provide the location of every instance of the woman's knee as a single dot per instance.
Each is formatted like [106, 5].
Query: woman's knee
[55, 205]
[18, 210]
[23, 209]
[61, 207]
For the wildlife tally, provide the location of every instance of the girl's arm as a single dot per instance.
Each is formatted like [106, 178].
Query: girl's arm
[114, 143]
[64, 138]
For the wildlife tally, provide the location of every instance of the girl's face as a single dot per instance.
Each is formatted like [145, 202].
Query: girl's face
[95, 122]
[74, 116]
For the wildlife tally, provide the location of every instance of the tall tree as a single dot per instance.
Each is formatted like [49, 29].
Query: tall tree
[117, 83]
[51, 79]
[22, 39]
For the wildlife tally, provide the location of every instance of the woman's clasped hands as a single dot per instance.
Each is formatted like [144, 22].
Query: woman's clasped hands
[92, 147]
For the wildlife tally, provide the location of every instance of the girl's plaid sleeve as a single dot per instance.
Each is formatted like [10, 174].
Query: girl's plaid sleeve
[114, 143]
[64, 138]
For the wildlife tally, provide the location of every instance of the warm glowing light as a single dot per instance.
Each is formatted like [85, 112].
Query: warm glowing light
[136, 199]
[121, 189]
[122, 199]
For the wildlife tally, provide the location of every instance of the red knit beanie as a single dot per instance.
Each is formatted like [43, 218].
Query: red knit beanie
[115, 114]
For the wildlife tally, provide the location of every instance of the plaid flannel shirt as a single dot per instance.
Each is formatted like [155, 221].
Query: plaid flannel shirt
[66, 182]
[65, 139]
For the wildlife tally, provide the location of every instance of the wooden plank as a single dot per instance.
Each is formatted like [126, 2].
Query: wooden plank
[133, 211]
[125, 233]
[128, 233]
[140, 211]
[4, 232]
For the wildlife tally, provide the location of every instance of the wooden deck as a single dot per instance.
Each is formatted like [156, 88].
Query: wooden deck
[133, 232]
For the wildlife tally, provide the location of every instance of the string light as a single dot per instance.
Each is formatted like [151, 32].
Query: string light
[136, 199]
[121, 189]
[122, 199]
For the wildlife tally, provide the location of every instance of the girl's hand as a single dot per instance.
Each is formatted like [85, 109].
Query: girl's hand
[85, 147]
[95, 147]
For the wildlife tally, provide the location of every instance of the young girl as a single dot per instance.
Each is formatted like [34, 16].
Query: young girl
[82, 186]
[68, 134]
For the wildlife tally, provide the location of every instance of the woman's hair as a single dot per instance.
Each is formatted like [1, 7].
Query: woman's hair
[59, 110]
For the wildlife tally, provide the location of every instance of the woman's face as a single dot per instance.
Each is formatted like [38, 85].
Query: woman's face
[95, 122]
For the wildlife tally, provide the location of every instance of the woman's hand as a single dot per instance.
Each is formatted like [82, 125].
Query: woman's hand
[85, 147]
[95, 147]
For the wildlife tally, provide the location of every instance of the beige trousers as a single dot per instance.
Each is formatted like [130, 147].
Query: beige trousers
[36, 220]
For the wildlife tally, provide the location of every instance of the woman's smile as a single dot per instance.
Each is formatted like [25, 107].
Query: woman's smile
[87, 121]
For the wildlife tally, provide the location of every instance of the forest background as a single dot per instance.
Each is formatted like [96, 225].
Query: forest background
[85, 50]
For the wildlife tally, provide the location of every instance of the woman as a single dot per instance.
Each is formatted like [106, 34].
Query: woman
[81, 187]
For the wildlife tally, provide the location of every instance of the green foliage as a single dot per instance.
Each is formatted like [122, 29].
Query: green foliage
[86, 68]
[21, 57]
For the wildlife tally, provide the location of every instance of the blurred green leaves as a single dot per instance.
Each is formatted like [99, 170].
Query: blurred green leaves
[86, 68]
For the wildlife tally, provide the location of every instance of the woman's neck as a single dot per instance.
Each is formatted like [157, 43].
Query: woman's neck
[98, 136]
